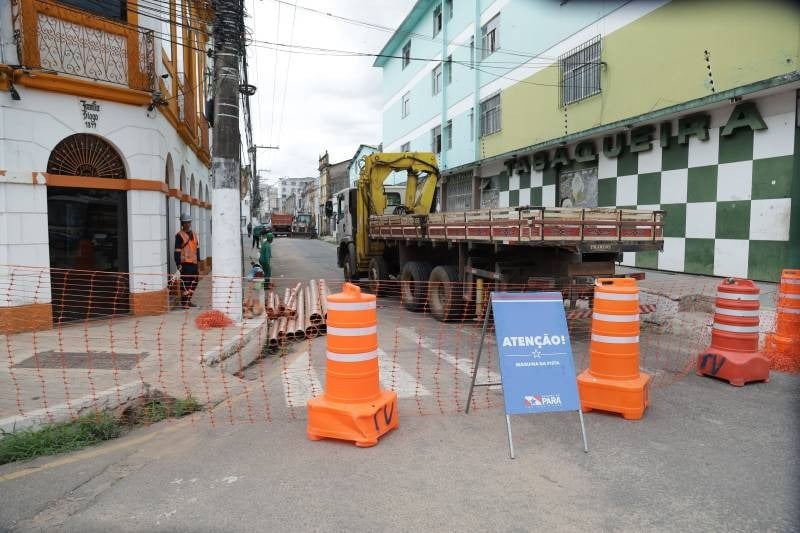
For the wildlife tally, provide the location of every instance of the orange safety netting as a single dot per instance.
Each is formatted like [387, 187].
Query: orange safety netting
[75, 341]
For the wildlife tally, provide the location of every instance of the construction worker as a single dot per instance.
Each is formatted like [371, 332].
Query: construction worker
[187, 252]
[266, 257]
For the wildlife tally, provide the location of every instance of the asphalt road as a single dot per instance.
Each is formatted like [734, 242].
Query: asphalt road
[706, 457]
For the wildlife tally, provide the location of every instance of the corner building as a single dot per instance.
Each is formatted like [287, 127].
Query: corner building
[104, 145]
[687, 107]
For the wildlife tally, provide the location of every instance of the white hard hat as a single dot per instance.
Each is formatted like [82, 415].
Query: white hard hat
[186, 218]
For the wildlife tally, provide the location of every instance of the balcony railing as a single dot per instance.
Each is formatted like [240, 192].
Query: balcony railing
[69, 41]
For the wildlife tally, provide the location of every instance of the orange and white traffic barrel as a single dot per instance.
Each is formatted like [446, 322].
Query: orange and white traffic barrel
[353, 406]
[733, 354]
[613, 381]
[783, 345]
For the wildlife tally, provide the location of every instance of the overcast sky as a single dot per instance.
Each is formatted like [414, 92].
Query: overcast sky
[331, 103]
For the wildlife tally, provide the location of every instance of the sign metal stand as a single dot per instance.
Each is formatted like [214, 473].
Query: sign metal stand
[476, 366]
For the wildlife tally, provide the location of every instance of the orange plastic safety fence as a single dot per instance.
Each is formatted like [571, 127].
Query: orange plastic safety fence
[77, 341]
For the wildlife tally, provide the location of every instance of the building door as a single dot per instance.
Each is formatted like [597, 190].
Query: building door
[88, 233]
[88, 252]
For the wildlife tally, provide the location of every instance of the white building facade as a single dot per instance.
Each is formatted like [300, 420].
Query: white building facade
[104, 145]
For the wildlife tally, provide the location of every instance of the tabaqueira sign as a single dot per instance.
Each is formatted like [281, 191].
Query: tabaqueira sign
[744, 115]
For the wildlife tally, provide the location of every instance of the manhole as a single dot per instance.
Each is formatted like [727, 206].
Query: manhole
[94, 360]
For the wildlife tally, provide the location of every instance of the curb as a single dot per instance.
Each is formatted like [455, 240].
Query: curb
[107, 400]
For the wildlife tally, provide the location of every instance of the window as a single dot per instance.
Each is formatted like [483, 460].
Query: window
[113, 9]
[406, 106]
[490, 37]
[490, 115]
[471, 123]
[437, 20]
[580, 72]
[449, 8]
[458, 192]
[407, 54]
[472, 51]
[448, 70]
[436, 140]
[393, 199]
[448, 134]
[406, 147]
[436, 79]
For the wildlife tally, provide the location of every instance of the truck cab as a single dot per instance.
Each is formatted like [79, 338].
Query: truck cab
[343, 211]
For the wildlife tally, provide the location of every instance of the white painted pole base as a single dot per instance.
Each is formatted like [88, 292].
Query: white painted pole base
[226, 282]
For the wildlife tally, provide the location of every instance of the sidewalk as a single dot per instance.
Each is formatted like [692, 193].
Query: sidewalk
[55, 375]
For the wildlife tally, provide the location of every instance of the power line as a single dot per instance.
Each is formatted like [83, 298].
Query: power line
[372, 25]
[275, 78]
[286, 80]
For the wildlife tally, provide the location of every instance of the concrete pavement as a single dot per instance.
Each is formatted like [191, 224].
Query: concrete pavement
[706, 456]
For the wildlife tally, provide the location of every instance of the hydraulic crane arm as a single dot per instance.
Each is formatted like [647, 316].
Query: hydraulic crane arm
[423, 176]
[419, 191]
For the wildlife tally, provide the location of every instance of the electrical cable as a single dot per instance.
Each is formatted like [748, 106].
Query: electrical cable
[286, 80]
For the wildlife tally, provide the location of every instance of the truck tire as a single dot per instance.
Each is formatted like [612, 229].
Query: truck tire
[349, 265]
[414, 285]
[378, 276]
[444, 294]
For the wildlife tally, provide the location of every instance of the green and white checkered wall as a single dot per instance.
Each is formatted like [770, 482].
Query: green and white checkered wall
[728, 199]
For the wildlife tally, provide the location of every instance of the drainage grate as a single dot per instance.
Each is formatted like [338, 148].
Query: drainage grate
[94, 360]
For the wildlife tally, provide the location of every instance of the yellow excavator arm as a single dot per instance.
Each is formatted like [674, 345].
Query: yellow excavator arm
[423, 176]
[419, 191]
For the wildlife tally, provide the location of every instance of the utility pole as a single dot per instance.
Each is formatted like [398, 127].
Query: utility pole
[226, 285]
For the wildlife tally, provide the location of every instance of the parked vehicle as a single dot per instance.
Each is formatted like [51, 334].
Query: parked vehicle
[303, 226]
[281, 224]
[460, 253]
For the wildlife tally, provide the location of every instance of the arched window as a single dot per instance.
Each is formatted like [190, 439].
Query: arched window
[169, 173]
[86, 155]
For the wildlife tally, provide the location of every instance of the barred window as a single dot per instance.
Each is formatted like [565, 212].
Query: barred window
[406, 106]
[580, 72]
[458, 192]
[437, 20]
[490, 115]
[448, 134]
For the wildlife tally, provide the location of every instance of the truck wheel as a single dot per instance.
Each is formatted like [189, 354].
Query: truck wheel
[444, 294]
[377, 275]
[350, 267]
[414, 285]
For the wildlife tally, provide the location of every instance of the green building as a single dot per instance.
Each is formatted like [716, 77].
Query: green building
[690, 107]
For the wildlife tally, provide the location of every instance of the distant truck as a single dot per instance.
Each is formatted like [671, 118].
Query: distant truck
[282, 224]
[303, 226]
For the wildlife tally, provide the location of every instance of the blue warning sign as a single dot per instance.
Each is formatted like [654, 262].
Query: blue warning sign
[535, 352]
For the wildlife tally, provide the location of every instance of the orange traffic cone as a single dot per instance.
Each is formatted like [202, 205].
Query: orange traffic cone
[733, 354]
[353, 407]
[783, 345]
[613, 381]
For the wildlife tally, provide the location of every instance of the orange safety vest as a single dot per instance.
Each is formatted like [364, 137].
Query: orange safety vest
[189, 248]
